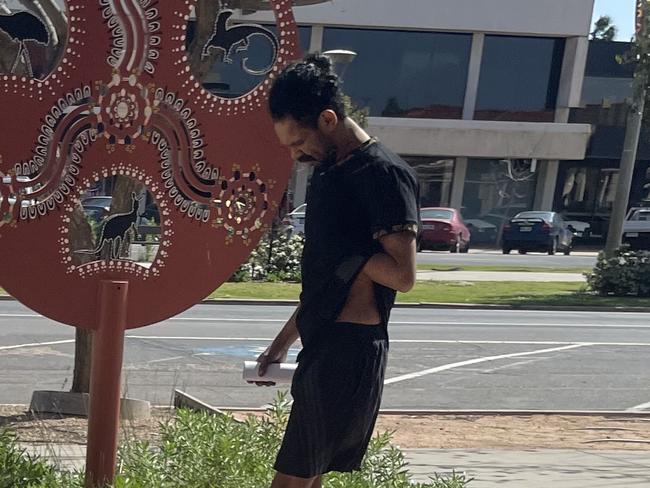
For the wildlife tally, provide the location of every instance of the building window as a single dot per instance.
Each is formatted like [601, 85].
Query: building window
[494, 191]
[435, 176]
[519, 79]
[607, 86]
[405, 74]
[230, 79]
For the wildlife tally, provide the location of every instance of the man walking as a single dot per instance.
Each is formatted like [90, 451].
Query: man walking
[360, 230]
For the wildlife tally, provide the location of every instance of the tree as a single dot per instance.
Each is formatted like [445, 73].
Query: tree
[604, 30]
[639, 56]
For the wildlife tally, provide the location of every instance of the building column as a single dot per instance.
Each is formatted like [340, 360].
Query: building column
[458, 183]
[573, 69]
[316, 41]
[300, 180]
[473, 75]
[569, 96]
[546, 182]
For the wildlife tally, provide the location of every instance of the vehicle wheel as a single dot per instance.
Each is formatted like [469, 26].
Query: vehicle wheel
[553, 248]
[506, 250]
[522, 251]
[567, 250]
[455, 247]
[465, 248]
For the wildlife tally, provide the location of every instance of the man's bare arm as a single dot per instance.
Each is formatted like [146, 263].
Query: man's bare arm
[277, 351]
[395, 267]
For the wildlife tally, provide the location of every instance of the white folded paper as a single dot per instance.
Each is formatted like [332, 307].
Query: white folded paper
[276, 372]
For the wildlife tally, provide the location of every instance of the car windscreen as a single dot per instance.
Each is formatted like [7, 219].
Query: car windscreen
[640, 215]
[547, 216]
[436, 214]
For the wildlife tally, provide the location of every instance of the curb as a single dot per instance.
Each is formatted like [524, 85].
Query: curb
[424, 412]
[429, 305]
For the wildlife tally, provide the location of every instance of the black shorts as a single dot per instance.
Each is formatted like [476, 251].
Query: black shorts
[336, 393]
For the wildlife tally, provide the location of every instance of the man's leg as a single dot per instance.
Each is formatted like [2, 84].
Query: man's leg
[286, 481]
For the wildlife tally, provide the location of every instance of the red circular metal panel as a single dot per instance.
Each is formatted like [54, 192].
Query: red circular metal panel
[123, 101]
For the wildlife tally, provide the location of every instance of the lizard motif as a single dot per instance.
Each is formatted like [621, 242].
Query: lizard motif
[237, 37]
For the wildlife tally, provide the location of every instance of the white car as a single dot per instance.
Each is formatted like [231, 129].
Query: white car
[636, 228]
[581, 229]
[294, 221]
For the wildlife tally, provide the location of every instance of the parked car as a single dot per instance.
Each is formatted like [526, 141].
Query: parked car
[537, 231]
[97, 201]
[581, 229]
[636, 228]
[95, 213]
[443, 229]
[294, 221]
[482, 231]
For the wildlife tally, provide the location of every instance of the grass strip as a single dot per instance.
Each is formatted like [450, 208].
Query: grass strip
[517, 293]
[485, 292]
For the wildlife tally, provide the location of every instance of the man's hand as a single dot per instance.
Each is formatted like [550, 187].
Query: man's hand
[273, 354]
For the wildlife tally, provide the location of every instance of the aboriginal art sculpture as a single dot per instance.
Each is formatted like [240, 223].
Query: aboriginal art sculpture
[123, 101]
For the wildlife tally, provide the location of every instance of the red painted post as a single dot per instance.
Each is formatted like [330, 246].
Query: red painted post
[106, 369]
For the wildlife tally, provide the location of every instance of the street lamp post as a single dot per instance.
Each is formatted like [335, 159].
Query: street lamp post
[341, 58]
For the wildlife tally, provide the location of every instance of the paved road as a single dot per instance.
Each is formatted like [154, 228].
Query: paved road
[440, 359]
[495, 258]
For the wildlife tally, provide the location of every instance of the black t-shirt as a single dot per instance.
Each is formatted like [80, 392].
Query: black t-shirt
[349, 207]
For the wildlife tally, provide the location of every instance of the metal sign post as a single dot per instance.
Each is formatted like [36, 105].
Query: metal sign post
[106, 370]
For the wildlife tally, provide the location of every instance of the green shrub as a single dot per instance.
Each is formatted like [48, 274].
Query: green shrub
[199, 450]
[19, 469]
[626, 273]
[276, 258]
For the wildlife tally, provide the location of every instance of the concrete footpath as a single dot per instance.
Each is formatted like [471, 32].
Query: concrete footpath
[535, 468]
[498, 276]
[490, 468]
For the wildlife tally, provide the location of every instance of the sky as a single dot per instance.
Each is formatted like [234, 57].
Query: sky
[622, 14]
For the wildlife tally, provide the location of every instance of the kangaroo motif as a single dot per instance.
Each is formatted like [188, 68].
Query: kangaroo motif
[226, 38]
[116, 235]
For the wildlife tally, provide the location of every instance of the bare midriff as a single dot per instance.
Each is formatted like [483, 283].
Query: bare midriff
[361, 306]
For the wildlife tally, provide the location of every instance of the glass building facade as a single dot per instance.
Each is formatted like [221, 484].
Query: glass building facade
[405, 74]
[519, 79]
[436, 177]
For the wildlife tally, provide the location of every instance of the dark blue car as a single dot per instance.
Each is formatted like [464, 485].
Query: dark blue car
[537, 231]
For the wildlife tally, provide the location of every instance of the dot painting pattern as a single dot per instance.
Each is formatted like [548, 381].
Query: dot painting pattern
[123, 101]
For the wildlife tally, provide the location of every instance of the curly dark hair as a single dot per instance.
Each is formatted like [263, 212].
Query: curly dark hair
[306, 88]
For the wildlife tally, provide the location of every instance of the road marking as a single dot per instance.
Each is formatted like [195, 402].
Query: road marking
[36, 344]
[446, 367]
[164, 359]
[197, 338]
[525, 343]
[393, 341]
[511, 365]
[21, 316]
[639, 408]
[454, 323]
[402, 341]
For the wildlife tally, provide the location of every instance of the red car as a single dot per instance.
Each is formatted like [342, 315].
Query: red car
[443, 228]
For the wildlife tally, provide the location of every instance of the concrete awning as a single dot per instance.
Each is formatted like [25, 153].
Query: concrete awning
[482, 139]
